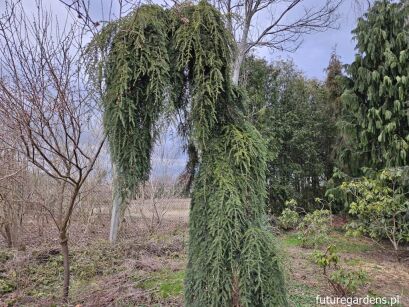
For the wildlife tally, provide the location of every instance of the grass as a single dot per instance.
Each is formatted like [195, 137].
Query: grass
[354, 261]
[302, 295]
[351, 245]
[6, 285]
[291, 239]
[44, 274]
[45, 278]
[5, 255]
[165, 283]
[344, 244]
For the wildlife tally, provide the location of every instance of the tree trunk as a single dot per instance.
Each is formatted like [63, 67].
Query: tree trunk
[115, 216]
[242, 48]
[236, 67]
[66, 260]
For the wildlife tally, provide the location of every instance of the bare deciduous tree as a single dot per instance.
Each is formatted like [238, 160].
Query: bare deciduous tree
[91, 19]
[48, 106]
[275, 24]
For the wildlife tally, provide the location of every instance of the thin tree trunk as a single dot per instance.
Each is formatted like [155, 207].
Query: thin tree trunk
[236, 67]
[64, 242]
[66, 263]
[242, 48]
[115, 216]
[118, 203]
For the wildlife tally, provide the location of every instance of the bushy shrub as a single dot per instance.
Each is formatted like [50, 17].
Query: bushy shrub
[314, 228]
[288, 219]
[346, 282]
[327, 259]
[343, 281]
[380, 206]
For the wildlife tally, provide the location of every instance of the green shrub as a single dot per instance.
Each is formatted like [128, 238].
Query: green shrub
[347, 282]
[343, 281]
[288, 219]
[314, 228]
[380, 206]
[326, 259]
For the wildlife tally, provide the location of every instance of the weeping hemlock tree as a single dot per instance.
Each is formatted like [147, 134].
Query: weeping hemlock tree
[232, 261]
[377, 98]
[272, 24]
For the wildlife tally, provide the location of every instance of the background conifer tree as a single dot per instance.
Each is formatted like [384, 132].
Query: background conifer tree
[377, 94]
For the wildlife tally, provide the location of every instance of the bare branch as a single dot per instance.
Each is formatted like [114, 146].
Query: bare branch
[46, 100]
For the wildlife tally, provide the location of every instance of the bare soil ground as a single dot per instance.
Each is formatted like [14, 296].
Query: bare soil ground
[146, 266]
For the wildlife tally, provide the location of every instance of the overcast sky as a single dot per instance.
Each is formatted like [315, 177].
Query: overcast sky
[313, 55]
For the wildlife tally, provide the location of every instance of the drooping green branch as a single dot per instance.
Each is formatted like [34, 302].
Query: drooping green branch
[202, 49]
[135, 72]
[231, 253]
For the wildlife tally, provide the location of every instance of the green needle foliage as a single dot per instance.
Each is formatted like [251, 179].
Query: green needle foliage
[135, 71]
[231, 252]
[232, 260]
[378, 92]
[201, 48]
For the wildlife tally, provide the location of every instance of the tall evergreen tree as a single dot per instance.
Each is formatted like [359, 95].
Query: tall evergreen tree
[333, 139]
[333, 83]
[232, 259]
[376, 101]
